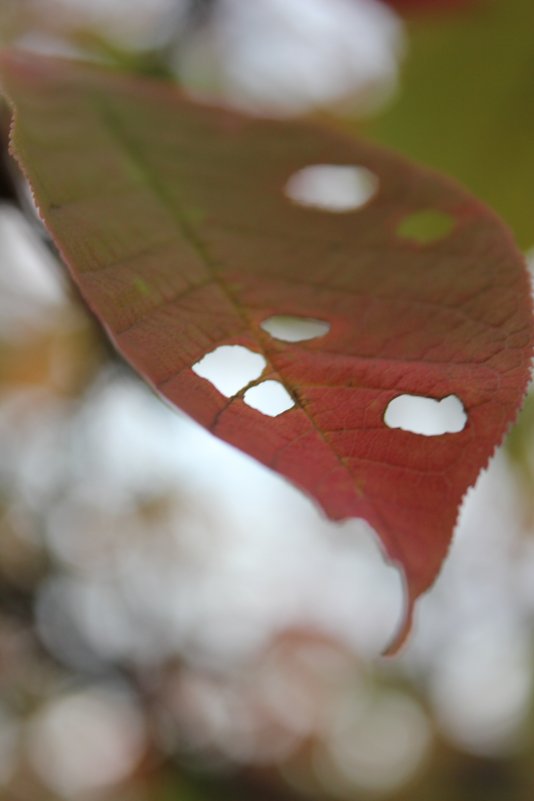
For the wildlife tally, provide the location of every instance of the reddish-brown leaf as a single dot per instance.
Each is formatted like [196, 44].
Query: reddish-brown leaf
[173, 221]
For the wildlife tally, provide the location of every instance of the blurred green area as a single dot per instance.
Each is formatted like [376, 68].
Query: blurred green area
[109, 687]
[465, 105]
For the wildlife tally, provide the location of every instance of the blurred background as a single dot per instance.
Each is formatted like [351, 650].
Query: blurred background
[176, 622]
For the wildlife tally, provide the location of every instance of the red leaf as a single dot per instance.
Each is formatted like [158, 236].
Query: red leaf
[173, 220]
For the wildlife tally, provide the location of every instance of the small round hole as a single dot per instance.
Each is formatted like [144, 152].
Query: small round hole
[332, 187]
[288, 328]
[425, 226]
[230, 368]
[269, 397]
[427, 416]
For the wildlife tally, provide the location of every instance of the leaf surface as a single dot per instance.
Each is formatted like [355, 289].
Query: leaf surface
[173, 220]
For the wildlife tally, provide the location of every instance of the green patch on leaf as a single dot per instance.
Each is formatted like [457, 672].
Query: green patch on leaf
[425, 226]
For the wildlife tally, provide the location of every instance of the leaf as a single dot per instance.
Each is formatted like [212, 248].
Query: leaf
[464, 104]
[173, 221]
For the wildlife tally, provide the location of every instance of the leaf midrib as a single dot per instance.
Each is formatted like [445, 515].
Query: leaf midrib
[113, 122]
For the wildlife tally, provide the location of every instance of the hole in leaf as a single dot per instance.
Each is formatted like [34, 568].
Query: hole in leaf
[332, 187]
[230, 368]
[294, 329]
[425, 226]
[269, 397]
[427, 416]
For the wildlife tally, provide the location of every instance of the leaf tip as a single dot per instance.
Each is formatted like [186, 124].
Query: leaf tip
[403, 631]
